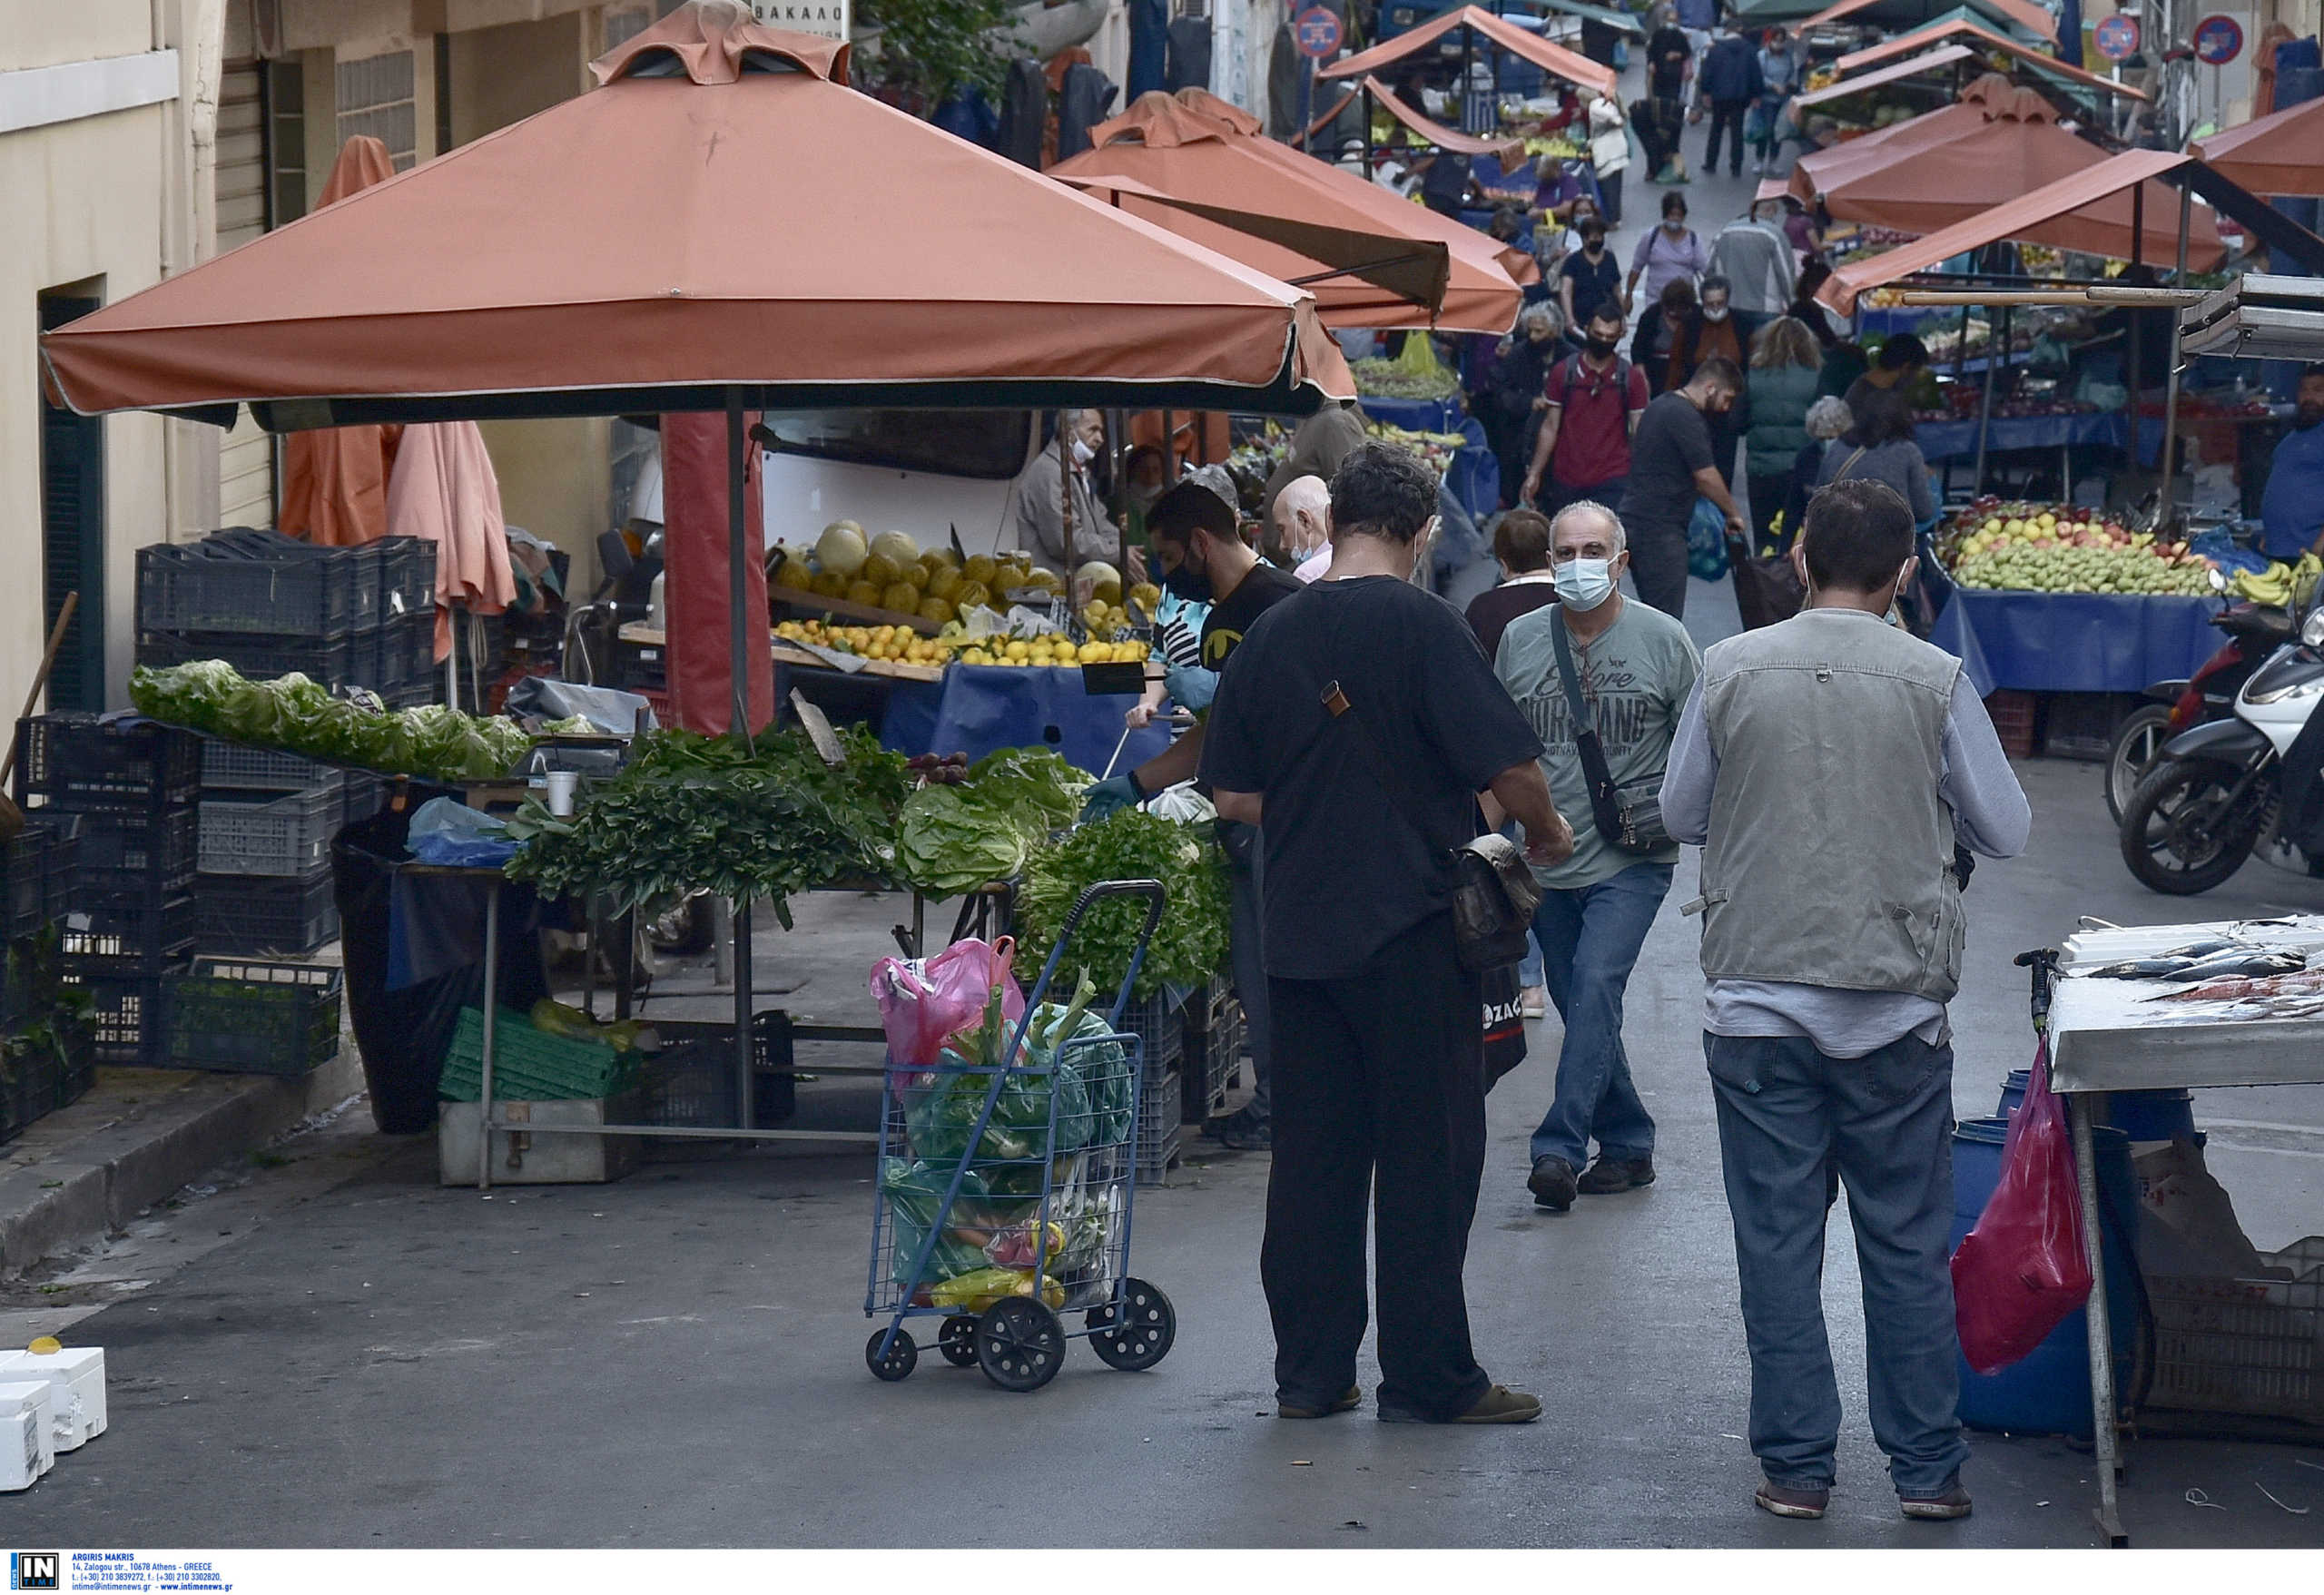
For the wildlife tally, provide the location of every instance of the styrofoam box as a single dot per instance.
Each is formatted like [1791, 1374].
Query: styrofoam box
[19, 1450]
[78, 1374]
[31, 1398]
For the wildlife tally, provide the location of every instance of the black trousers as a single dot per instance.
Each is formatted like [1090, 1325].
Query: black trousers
[1658, 566]
[1726, 116]
[1768, 494]
[1379, 1094]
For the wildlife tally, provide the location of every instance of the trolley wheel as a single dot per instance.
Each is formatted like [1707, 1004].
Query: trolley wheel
[958, 1341]
[901, 1358]
[1147, 1324]
[1020, 1343]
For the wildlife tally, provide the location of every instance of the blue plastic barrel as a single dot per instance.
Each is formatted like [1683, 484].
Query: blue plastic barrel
[2013, 1092]
[2152, 1115]
[2048, 1391]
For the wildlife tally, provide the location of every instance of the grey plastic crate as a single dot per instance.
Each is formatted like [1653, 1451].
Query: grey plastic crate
[231, 767]
[286, 836]
[1158, 1132]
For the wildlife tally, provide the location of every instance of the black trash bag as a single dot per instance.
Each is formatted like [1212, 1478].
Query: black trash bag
[403, 1035]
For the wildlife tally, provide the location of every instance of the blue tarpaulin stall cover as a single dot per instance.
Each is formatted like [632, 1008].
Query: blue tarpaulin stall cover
[2075, 642]
[1958, 440]
[977, 709]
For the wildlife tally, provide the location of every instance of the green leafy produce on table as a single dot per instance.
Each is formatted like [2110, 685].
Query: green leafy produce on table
[700, 812]
[1130, 845]
[294, 715]
[955, 837]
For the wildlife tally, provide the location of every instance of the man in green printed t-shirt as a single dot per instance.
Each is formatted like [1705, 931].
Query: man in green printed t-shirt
[1635, 667]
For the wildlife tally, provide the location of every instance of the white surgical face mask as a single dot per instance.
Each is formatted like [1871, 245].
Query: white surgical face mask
[1082, 453]
[1714, 313]
[1584, 584]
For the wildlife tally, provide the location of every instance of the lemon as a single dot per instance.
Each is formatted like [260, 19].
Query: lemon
[1019, 652]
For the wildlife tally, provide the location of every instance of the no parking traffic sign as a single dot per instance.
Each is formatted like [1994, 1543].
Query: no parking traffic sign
[1316, 32]
[2116, 36]
[2218, 40]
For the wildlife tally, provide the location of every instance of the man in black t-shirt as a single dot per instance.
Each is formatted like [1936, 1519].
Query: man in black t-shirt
[1673, 462]
[1360, 721]
[1204, 559]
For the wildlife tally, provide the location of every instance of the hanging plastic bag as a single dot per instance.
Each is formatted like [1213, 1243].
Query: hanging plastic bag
[2021, 1271]
[1707, 542]
[924, 1003]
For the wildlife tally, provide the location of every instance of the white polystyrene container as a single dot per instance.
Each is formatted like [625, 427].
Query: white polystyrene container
[20, 1399]
[19, 1450]
[78, 1374]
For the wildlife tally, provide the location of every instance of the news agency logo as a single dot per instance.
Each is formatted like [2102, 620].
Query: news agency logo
[33, 1570]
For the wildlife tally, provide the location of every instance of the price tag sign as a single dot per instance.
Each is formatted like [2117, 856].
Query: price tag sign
[2116, 36]
[1316, 32]
[2218, 40]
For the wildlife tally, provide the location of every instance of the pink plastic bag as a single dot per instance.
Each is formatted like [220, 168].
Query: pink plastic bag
[2021, 1271]
[923, 1003]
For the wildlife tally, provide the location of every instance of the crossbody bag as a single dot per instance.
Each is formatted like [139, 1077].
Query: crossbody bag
[1629, 818]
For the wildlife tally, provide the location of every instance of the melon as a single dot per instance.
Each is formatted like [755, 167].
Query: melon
[841, 548]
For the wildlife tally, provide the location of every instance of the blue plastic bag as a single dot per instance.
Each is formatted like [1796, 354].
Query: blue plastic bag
[1707, 542]
[446, 833]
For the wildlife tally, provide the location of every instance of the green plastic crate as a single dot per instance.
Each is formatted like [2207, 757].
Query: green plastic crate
[247, 1017]
[530, 1065]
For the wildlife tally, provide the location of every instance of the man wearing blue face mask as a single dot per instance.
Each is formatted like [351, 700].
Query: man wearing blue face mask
[1630, 667]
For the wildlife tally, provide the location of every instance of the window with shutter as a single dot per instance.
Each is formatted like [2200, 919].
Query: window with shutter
[73, 532]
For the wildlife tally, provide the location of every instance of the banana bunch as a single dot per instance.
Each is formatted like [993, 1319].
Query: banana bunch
[2280, 586]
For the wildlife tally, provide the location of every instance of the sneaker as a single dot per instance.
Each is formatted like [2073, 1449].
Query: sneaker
[1497, 1405]
[1246, 1132]
[1533, 1003]
[1348, 1403]
[1610, 1176]
[1792, 1500]
[1552, 1184]
[1950, 1503]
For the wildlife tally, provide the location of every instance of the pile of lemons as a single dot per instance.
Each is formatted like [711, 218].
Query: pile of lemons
[1051, 650]
[900, 644]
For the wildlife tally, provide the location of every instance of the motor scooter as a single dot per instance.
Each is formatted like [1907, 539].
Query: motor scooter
[2254, 630]
[2214, 796]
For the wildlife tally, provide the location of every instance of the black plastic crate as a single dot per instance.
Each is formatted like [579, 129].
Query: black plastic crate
[24, 899]
[246, 1017]
[276, 837]
[257, 916]
[28, 981]
[116, 764]
[348, 659]
[124, 1017]
[290, 590]
[28, 1092]
[76, 1059]
[2082, 725]
[404, 651]
[1159, 1133]
[407, 578]
[125, 934]
[690, 1083]
[154, 853]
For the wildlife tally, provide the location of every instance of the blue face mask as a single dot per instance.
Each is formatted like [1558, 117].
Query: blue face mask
[1583, 584]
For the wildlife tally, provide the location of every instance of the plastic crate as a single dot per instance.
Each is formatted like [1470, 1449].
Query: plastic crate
[2082, 725]
[407, 578]
[121, 766]
[258, 915]
[23, 898]
[1155, 1020]
[28, 982]
[2252, 1346]
[154, 853]
[690, 1083]
[290, 590]
[1158, 1131]
[63, 872]
[231, 767]
[2013, 714]
[249, 1017]
[348, 659]
[528, 1065]
[365, 795]
[28, 1085]
[286, 836]
[404, 651]
[76, 1060]
[125, 1016]
[127, 933]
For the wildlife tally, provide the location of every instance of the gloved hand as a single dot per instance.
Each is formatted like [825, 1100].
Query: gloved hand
[1190, 686]
[1109, 796]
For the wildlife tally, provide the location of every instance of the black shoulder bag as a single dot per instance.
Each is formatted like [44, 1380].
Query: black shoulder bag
[1630, 819]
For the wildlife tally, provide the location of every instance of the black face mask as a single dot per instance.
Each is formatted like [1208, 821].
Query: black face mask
[1191, 586]
[1600, 347]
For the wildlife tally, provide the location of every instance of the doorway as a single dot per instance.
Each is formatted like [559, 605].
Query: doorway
[73, 527]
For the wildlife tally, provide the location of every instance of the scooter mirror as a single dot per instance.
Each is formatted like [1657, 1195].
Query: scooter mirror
[2311, 630]
[2219, 579]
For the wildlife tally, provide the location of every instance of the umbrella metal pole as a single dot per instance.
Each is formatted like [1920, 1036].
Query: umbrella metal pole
[738, 652]
[2171, 383]
[1996, 329]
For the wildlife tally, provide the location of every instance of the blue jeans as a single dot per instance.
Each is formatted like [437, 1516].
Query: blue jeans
[1785, 1112]
[1590, 940]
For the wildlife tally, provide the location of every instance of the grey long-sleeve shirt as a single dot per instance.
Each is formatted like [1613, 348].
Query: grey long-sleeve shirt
[1990, 816]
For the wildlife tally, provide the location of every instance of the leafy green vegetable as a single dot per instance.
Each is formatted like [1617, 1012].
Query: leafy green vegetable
[1130, 845]
[697, 811]
[1035, 786]
[954, 839]
[299, 717]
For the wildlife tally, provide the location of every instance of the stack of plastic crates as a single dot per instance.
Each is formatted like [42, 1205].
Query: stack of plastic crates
[266, 823]
[127, 788]
[37, 1026]
[1156, 1022]
[1215, 1034]
[241, 1016]
[269, 604]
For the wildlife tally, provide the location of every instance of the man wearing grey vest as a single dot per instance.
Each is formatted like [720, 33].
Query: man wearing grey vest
[1829, 766]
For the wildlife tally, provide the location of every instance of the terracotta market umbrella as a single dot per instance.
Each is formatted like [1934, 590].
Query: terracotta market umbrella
[1209, 158]
[2031, 20]
[2281, 154]
[1818, 169]
[1953, 180]
[335, 479]
[1551, 58]
[1508, 152]
[1961, 26]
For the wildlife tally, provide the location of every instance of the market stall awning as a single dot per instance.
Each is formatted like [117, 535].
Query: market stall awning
[694, 230]
[2280, 154]
[1954, 181]
[2097, 199]
[1818, 169]
[1510, 152]
[1897, 71]
[1620, 21]
[1963, 29]
[1551, 58]
[2034, 21]
[1204, 153]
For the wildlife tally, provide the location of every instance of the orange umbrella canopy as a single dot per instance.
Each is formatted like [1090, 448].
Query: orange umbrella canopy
[1817, 171]
[2283, 154]
[1197, 148]
[693, 229]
